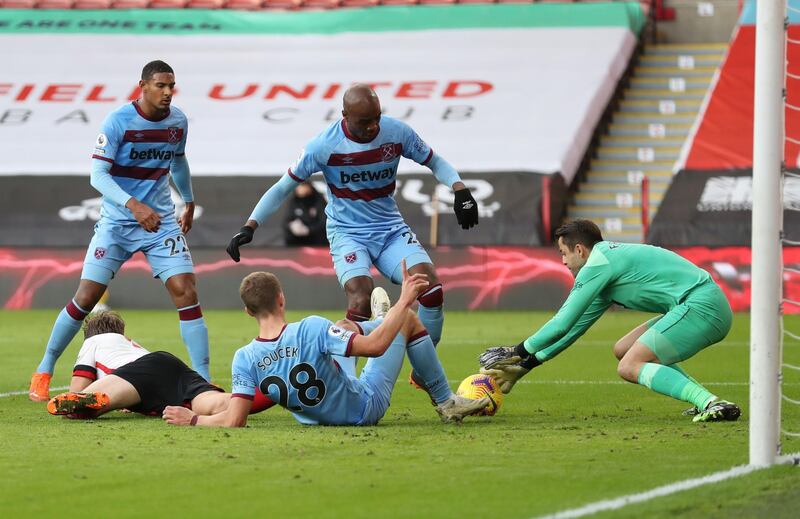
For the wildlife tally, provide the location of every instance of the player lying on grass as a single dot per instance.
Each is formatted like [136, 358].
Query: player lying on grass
[358, 157]
[113, 372]
[694, 315]
[293, 363]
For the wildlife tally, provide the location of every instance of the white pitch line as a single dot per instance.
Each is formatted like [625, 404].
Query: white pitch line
[665, 490]
[25, 392]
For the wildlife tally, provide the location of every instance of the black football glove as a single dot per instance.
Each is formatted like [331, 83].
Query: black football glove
[245, 235]
[466, 209]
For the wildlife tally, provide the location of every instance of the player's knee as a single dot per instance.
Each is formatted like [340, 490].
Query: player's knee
[433, 297]
[358, 304]
[182, 290]
[627, 370]
[621, 348]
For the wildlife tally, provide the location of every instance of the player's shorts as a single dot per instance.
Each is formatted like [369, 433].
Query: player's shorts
[354, 253]
[378, 376]
[702, 319]
[114, 243]
[162, 379]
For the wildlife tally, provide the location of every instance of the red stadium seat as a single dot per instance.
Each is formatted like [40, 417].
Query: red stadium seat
[248, 5]
[168, 4]
[321, 4]
[359, 3]
[130, 4]
[55, 4]
[92, 4]
[282, 4]
[18, 4]
[205, 4]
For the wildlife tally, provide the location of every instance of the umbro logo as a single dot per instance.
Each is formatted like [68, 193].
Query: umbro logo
[347, 160]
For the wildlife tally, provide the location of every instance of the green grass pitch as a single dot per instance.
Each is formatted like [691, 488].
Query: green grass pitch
[570, 434]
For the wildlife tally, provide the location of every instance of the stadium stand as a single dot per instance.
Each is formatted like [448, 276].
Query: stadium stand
[645, 137]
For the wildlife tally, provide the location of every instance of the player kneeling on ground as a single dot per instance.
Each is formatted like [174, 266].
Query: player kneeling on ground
[113, 372]
[694, 315]
[294, 364]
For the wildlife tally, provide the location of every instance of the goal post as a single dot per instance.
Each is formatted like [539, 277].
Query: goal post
[766, 335]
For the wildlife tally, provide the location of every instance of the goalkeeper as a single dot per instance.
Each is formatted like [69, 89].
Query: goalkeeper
[694, 314]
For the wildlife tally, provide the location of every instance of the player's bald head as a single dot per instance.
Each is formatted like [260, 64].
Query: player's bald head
[361, 112]
[361, 97]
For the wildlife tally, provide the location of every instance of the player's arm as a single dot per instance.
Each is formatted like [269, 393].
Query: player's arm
[305, 166]
[182, 177]
[84, 371]
[100, 178]
[235, 415]
[464, 205]
[378, 341]
[78, 384]
[581, 309]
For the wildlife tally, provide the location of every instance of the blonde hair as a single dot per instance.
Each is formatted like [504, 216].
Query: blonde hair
[103, 322]
[259, 292]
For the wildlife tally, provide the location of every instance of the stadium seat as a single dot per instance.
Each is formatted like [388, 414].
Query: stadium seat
[282, 4]
[130, 4]
[205, 4]
[18, 4]
[244, 5]
[359, 3]
[321, 4]
[55, 4]
[168, 4]
[92, 4]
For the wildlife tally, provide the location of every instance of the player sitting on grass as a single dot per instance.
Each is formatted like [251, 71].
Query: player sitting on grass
[694, 315]
[113, 372]
[293, 365]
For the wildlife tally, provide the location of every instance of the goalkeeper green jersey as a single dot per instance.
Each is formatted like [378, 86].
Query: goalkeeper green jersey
[635, 276]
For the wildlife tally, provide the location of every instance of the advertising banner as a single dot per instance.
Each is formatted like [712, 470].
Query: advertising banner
[474, 278]
[492, 88]
[60, 211]
[714, 209]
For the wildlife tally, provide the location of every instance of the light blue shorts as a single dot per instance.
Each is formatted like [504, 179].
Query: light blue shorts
[114, 243]
[378, 376]
[354, 254]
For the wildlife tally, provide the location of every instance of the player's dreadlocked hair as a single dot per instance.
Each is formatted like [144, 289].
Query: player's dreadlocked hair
[585, 232]
[103, 322]
[259, 292]
[155, 67]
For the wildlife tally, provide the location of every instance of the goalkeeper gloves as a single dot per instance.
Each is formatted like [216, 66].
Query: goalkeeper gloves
[507, 364]
[466, 209]
[245, 235]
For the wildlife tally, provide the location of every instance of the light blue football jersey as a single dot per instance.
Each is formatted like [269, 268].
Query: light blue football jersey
[361, 177]
[141, 151]
[297, 371]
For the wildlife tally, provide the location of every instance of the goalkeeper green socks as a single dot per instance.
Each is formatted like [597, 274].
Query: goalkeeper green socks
[673, 382]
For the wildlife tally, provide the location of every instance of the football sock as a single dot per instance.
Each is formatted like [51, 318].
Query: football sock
[431, 312]
[195, 335]
[356, 317]
[422, 355]
[67, 324]
[671, 382]
[676, 367]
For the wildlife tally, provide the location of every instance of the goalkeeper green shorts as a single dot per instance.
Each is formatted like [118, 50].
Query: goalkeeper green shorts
[704, 318]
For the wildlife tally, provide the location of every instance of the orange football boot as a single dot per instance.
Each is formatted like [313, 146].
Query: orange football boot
[77, 403]
[40, 387]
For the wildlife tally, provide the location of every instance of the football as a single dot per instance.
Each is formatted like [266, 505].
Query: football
[479, 386]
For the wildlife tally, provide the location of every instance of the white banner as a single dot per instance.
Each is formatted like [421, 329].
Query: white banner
[488, 100]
